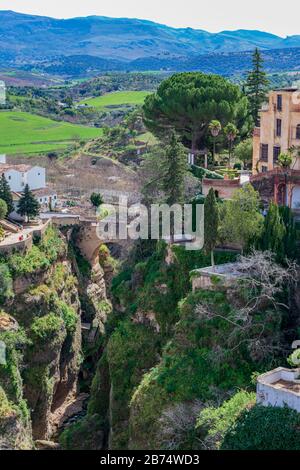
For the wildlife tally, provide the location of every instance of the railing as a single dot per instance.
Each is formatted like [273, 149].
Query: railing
[276, 172]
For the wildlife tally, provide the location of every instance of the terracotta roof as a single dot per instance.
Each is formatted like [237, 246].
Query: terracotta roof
[22, 168]
[43, 192]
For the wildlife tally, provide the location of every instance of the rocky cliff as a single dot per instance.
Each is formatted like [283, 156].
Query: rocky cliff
[53, 310]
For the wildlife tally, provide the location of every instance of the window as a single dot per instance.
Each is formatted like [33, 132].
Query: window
[264, 151]
[276, 153]
[264, 169]
[298, 132]
[278, 127]
[279, 102]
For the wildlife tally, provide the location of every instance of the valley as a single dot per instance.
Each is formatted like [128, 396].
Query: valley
[149, 238]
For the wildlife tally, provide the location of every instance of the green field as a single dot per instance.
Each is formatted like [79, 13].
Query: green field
[117, 99]
[24, 133]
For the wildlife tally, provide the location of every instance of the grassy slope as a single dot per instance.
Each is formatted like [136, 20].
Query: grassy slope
[119, 98]
[27, 133]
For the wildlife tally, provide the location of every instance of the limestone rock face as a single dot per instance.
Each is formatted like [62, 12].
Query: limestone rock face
[15, 434]
[53, 316]
[96, 294]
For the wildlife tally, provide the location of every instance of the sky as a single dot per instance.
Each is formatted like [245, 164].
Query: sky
[213, 16]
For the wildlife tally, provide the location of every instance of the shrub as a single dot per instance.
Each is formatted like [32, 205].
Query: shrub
[294, 359]
[10, 377]
[86, 434]
[46, 328]
[68, 315]
[3, 209]
[213, 423]
[264, 428]
[6, 408]
[33, 261]
[52, 244]
[6, 285]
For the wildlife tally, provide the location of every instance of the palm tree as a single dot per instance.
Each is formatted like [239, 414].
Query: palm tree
[285, 160]
[215, 129]
[231, 133]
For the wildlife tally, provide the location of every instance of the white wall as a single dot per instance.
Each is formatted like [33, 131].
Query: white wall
[269, 395]
[44, 201]
[15, 180]
[35, 178]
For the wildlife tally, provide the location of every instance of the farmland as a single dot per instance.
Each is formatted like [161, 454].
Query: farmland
[117, 99]
[25, 133]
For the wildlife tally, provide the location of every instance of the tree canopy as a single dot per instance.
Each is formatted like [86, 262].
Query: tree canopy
[211, 223]
[5, 194]
[257, 85]
[241, 221]
[3, 209]
[174, 169]
[188, 102]
[244, 150]
[96, 199]
[28, 205]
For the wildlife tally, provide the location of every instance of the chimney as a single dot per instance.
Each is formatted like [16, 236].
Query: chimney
[2, 159]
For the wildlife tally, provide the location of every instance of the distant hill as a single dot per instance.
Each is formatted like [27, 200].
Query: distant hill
[97, 43]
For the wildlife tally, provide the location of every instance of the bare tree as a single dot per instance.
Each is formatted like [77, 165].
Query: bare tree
[256, 291]
[178, 425]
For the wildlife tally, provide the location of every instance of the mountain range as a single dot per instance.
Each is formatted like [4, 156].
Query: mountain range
[121, 43]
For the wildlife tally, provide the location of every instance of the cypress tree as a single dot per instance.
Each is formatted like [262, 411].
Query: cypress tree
[5, 194]
[274, 233]
[256, 85]
[290, 238]
[28, 205]
[211, 224]
[174, 169]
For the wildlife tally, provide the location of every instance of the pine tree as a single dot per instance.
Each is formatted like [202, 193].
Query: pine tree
[5, 194]
[211, 224]
[257, 85]
[28, 205]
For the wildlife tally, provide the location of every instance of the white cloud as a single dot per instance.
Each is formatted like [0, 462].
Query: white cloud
[214, 16]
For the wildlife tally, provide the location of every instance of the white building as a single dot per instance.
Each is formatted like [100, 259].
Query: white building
[18, 176]
[2, 92]
[279, 387]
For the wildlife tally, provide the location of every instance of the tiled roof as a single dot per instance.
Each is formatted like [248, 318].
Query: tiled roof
[43, 192]
[21, 168]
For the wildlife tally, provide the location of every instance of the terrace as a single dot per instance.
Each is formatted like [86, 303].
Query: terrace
[224, 275]
[279, 387]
